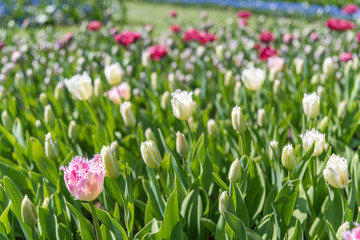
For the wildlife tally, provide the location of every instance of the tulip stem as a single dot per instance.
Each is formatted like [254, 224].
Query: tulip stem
[191, 134]
[96, 221]
[247, 106]
[87, 106]
[241, 145]
[162, 183]
[33, 231]
[122, 196]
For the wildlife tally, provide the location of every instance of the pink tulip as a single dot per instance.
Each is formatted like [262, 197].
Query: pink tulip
[276, 63]
[354, 234]
[118, 92]
[85, 178]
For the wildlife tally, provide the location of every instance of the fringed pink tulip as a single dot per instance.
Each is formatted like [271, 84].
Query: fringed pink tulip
[85, 178]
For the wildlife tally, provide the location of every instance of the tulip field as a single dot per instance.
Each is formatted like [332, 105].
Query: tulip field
[182, 123]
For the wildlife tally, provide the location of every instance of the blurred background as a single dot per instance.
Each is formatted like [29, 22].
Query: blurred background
[26, 13]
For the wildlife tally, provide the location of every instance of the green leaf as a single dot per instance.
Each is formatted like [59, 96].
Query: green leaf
[301, 168]
[330, 231]
[236, 224]
[192, 210]
[48, 223]
[109, 222]
[220, 182]
[237, 205]
[179, 171]
[284, 204]
[16, 199]
[47, 168]
[84, 225]
[147, 229]
[256, 190]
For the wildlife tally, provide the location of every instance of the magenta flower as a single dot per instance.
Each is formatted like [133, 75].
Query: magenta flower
[85, 178]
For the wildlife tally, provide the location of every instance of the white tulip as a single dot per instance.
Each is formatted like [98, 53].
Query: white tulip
[127, 114]
[336, 171]
[313, 136]
[114, 73]
[328, 66]
[150, 154]
[299, 65]
[80, 86]
[253, 78]
[182, 104]
[311, 104]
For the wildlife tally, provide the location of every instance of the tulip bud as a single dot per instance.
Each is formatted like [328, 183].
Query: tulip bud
[46, 202]
[127, 114]
[6, 120]
[43, 99]
[149, 135]
[197, 92]
[37, 124]
[98, 87]
[171, 81]
[236, 171]
[299, 65]
[237, 88]
[211, 128]
[336, 171]
[72, 131]
[219, 50]
[320, 91]
[154, 80]
[276, 86]
[288, 157]
[145, 58]
[49, 117]
[328, 66]
[114, 147]
[355, 63]
[341, 109]
[261, 118]
[348, 67]
[111, 165]
[150, 154]
[181, 144]
[228, 78]
[165, 100]
[50, 148]
[223, 201]
[192, 124]
[323, 124]
[238, 120]
[28, 212]
[59, 92]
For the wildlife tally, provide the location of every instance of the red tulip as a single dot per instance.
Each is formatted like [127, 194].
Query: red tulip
[157, 52]
[349, 9]
[175, 28]
[266, 53]
[127, 37]
[337, 24]
[173, 13]
[94, 25]
[244, 14]
[267, 37]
